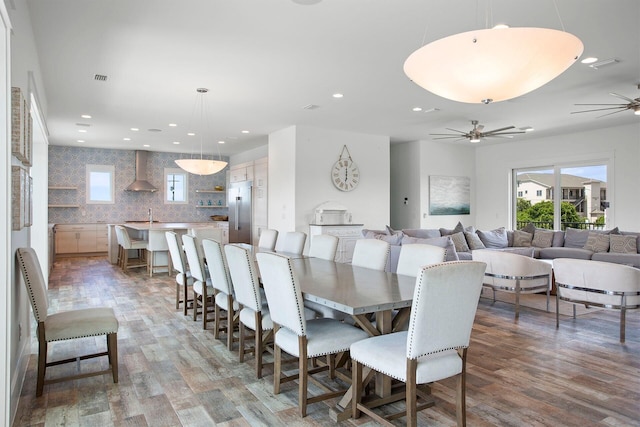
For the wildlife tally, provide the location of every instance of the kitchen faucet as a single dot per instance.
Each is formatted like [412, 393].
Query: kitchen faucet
[150, 216]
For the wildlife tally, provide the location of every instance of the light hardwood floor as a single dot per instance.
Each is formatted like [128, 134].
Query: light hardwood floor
[174, 373]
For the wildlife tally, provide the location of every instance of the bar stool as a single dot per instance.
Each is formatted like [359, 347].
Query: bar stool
[205, 233]
[126, 243]
[157, 243]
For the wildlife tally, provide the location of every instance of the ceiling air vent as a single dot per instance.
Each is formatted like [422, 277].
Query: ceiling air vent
[310, 107]
[100, 77]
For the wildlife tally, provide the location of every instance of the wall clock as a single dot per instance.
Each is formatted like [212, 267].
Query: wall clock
[345, 174]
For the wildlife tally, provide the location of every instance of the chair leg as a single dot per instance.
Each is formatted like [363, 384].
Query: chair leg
[241, 342]
[257, 351]
[42, 362]
[356, 383]
[277, 365]
[205, 309]
[623, 312]
[112, 350]
[302, 375]
[461, 391]
[185, 292]
[517, 300]
[412, 405]
[230, 322]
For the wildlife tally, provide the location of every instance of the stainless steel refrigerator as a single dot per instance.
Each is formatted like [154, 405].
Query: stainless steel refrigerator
[239, 201]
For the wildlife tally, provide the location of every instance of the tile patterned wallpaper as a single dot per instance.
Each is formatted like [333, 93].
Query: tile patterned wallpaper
[67, 169]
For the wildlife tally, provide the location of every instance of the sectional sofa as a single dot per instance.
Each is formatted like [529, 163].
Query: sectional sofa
[622, 247]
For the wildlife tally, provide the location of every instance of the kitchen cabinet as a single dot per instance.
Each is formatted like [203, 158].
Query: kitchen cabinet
[80, 238]
[241, 172]
[260, 179]
[347, 235]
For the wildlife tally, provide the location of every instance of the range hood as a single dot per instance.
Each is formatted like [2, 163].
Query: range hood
[141, 183]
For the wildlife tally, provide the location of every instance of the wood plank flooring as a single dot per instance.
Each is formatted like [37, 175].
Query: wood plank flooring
[172, 372]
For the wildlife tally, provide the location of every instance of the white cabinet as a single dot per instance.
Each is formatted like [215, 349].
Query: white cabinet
[260, 178]
[241, 172]
[347, 235]
[224, 226]
[80, 238]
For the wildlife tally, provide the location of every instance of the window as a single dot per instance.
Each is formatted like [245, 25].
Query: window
[100, 184]
[581, 202]
[175, 184]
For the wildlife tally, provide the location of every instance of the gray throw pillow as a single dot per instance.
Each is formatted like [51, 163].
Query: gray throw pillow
[394, 239]
[460, 242]
[369, 234]
[597, 242]
[623, 244]
[443, 242]
[522, 238]
[422, 233]
[543, 238]
[529, 228]
[574, 238]
[446, 232]
[473, 241]
[495, 238]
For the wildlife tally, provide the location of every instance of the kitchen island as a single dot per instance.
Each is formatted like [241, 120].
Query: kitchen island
[141, 230]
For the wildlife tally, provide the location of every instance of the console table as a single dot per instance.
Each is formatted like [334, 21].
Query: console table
[347, 235]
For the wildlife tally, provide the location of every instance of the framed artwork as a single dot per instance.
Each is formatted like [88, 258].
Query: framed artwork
[18, 191]
[449, 195]
[21, 127]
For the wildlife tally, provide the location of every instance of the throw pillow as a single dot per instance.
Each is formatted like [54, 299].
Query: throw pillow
[422, 233]
[597, 242]
[369, 234]
[460, 242]
[623, 244]
[542, 238]
[574, 238]
[522, 238]
[446, 232]
[495, 238]
[443, 242]
[473, 241]
[529, 228]
[394, 239]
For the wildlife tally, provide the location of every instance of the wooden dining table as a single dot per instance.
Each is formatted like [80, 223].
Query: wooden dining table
[378, 301]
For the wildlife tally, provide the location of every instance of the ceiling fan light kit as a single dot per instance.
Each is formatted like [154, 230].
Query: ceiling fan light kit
[492, 65]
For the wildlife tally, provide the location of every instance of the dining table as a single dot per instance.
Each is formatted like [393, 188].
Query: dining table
[378, 301]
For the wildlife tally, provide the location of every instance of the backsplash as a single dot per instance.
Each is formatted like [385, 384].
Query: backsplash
[67, 169]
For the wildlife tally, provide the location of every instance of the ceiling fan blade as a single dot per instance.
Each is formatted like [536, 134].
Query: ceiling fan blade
[608, 114]
[601, 109]
[620, 105]
[504, 133]
[621, 97]
[499, 130]
[456, 130]
[479, 128]
[500, 135]
[446, 137]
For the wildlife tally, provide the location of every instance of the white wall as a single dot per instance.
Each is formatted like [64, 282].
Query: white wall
[619, 146]
[301, 158]
[250, 155]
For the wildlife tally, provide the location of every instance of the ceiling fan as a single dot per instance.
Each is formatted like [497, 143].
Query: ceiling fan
[632, 104]
[476, 134]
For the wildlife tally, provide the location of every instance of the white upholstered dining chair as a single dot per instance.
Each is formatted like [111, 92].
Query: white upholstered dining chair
[179, 264]
[323, 246]
[371, 253]
[203, 292]
[156, 244]
[268, 239]
[125, 244]
[226, 306]
[254, 314]
[301, 338]
[414, 256]
[291, 242]
[65, 325]
[435, 346]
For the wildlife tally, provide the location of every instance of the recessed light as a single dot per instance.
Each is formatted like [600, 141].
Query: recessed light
[245, 131]
[81, 140]
[146, 145]
[220, 142]
[172, 125]
[82, 130]
[500, 26]
[191, 134]
[85, 116]
[126, 139]
[176, 142]
[416, 109]
[135, 129]
[589, 60]
[337, 95]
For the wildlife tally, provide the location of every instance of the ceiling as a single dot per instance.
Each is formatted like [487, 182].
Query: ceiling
[264, 61]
